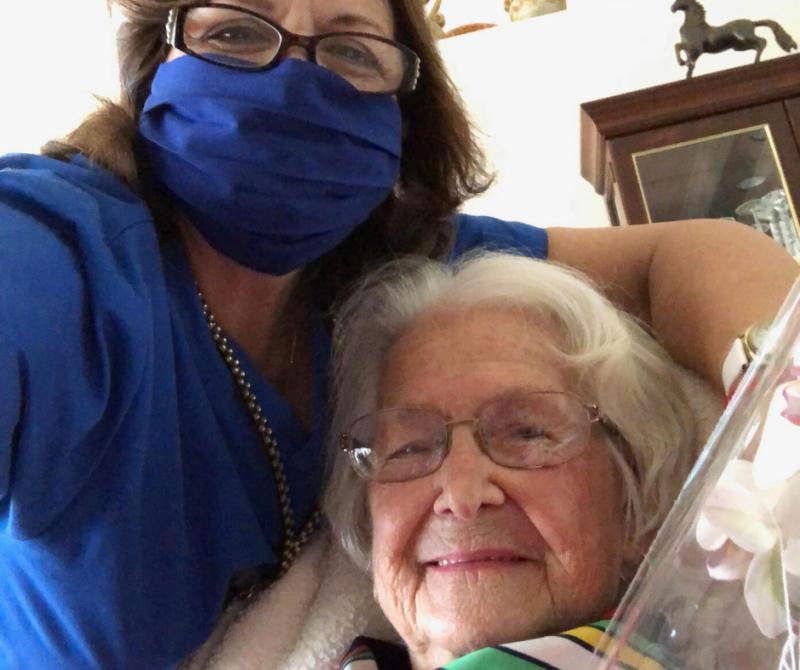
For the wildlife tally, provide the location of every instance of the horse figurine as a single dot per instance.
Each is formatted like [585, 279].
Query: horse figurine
[697, 37]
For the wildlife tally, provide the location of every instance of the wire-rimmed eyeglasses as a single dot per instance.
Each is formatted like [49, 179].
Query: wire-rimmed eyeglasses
[239, 38]
[523, 431]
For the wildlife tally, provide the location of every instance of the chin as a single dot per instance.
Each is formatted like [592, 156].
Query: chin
[461, 637]
[466, 645]
[442, 649]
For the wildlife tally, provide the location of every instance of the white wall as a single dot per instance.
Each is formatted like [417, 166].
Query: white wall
[54, 54]
[523, 82]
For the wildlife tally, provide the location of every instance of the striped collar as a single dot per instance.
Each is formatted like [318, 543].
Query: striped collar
[572, 649]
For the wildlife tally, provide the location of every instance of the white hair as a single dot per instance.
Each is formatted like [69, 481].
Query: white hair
[614, 363]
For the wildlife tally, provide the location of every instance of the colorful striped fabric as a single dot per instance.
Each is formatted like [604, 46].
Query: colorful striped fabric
[572, 650]
[360, 657]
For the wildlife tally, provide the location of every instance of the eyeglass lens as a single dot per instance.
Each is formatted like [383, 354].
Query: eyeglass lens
[526, 431]
[238, 39]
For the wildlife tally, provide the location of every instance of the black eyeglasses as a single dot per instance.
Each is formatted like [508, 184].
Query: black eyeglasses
[238, 38]
[524, 431]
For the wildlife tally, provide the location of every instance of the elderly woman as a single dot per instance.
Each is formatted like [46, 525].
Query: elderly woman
[513, 442]
[166, 278]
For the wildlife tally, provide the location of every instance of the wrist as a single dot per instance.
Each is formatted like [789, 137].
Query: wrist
[742, 352]
[733, 367]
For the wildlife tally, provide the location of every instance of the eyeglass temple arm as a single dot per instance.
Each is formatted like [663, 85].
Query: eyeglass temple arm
[596, 416]
[594, 413]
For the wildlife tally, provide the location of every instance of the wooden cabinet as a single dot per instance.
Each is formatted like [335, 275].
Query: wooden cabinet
[722, 145]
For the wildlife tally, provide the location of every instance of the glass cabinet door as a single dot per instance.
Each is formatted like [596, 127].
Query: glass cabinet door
[736, 174]
[741, 165]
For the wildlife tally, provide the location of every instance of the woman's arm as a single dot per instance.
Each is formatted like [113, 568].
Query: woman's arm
[699, 283]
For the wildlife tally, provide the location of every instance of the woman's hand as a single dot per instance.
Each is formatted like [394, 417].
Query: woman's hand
[698, 283]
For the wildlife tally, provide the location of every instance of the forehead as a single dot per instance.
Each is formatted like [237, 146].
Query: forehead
[357, 14]
[466, 356]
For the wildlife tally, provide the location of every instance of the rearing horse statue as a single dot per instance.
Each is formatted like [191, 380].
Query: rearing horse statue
[697, 37]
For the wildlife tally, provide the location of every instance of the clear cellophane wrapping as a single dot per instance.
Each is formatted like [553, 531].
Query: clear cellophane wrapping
[719, 588]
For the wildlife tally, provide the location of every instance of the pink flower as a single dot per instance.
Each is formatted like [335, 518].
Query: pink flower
[792, 395]
[750, 523]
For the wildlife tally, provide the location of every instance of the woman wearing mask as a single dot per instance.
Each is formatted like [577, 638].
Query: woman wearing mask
[166, 273]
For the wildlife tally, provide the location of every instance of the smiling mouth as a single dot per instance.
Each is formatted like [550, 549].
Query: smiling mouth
[477, 561]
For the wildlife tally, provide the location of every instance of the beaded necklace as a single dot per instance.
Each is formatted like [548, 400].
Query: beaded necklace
[292, 539]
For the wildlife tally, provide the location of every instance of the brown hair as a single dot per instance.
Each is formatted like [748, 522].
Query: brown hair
[442, 164]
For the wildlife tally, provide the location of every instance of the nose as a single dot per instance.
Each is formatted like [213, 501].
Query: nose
[298, 18]
[296, 51]
[466, 480]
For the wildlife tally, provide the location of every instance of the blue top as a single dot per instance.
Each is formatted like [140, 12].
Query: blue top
[132, 482]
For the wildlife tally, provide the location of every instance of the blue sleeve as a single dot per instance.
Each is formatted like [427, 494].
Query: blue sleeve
[59, 346]
[485, 232]
[11, 372]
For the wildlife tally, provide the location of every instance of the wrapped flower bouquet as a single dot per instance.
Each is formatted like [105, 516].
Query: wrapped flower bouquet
[720, 586]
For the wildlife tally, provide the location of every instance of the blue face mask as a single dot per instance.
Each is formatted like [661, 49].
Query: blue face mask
[273, 168]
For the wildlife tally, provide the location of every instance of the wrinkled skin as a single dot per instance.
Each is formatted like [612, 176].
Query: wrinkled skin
[535, 551]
